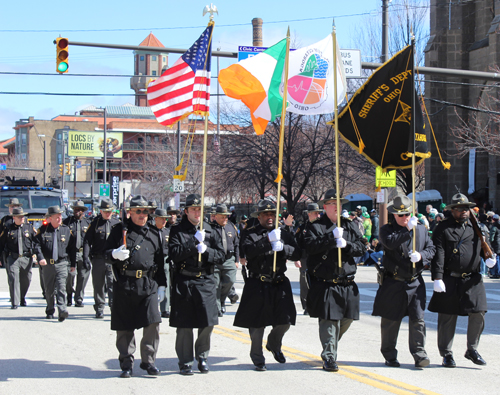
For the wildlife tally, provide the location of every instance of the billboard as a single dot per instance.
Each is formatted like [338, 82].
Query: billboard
[91, 144]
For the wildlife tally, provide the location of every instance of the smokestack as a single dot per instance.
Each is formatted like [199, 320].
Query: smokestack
[257, 32]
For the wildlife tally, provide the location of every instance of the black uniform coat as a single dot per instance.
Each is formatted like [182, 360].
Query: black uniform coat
[65, 248]
[458, 249]
[194, 299]
[265, 303]
[325, 299]
[397, 299]
[232, 239]
[9, 239]
[95, 238]
[72, 222]
[135, 300]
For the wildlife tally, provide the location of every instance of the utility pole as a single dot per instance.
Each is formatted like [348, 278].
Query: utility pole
[105, 148]
[385, 31]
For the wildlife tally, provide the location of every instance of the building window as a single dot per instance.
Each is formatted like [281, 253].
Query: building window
[148, 139]
[164, 59]
[153, 72]
[142, 58]
[59, 159]
[153, 58]
[156, 139]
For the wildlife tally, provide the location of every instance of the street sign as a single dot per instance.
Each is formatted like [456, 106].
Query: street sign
[351, 58]
[3, 166]
[245, 52]
[178, 185]
[104, 190]
[385, 180]
[65, 195]
[381, 197]
[78, 164]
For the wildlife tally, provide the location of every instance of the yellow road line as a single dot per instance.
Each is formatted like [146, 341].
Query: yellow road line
[360, 375]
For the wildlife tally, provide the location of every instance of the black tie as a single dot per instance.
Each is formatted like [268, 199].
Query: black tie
[20, 240]
[106, 229]
[55, 253]
[224, 240]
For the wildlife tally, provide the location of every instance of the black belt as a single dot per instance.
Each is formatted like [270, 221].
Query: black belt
[135, 273]
[267, 278]
[229, 255]
[53, 262]
[188, 273]
[20, 256]
[405, 279]
[460, 275]
[338, 280]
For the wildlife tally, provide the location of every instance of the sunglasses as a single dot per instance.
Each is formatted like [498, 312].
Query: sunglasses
[332, 202]
[403, 215]
[460, 209]
[145, 211]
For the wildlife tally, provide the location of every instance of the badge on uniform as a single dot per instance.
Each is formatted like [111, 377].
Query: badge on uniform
[26, 234]
[63, 239]
[85, 229]
[166, 237]
[229, 234]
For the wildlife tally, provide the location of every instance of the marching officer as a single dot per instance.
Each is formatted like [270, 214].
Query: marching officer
[194, 302]
[174, 214]
[17, 243]
[139, 286]
[55, 248]
[94, 247]
[402, 291]
[152, 205]
[267, 297]
[6, 221]
[161, 218]
[458, 283]
[333, 295]
[78, 225]
[225, 272]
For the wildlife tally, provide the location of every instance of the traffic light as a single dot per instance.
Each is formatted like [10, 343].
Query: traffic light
[68, 168]
[62, 55]
[60, 170]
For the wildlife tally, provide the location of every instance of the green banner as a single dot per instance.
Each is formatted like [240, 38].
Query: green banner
[91, 144]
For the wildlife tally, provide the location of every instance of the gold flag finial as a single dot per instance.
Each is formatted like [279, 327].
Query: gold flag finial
[210, 9]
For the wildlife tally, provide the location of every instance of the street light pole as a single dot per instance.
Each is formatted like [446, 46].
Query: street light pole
[63, 160]
[105, 148]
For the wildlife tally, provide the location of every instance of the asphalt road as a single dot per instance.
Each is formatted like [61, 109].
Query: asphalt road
[78, 356]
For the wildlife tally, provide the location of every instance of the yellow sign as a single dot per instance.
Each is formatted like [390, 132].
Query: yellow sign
[385, 180]
[91, 144]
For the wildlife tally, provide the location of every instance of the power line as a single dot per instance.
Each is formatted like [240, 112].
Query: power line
[81, 94]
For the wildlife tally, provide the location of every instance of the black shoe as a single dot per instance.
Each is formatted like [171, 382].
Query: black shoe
[449, 362]
[392, 363]
[151, 369]
[70, 300]
[186, 370]
[234, 298]
[278, 356]
[330, 365]
[23, 303]
[203, 365]
[13, 307]
[78, 304]
[69, 303]
[63, 316]
[165, 314]
[306, 312]
[475, 357]
[99, 314]
[50, 316]
[126, 374]
[223, 309]
[260, 367]
[422, 362]
[220, 314]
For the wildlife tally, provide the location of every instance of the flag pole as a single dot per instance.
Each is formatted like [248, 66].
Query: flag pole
[336, 111]
[413, 126]
[282, 138]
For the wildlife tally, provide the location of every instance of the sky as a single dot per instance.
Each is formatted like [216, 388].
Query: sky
[28, 29]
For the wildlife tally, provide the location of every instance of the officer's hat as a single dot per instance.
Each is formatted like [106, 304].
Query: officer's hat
[152, 204]
[313, 207]
[172, 210]
[212, 210]
[79, 205]
[161, 213]
[331, 194]
[13, 202]
[459, 200]
[222, 209]
[400, 205]
[193, 200]
[18, 212]
[139, 201]
[54, 210]
[106, 205]
[263, 206]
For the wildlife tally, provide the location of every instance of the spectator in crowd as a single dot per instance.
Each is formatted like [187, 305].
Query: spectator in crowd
[367, 226]
[375, 222]
[495, 244]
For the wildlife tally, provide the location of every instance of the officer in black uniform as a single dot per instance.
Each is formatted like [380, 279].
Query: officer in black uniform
[458, 283]
[17, 243]
[267, 297]
[333, 295]
[174, 214]
[194, 303]
[139, 286]
[225, 272]
[402, 292]
[55, 246]
[313, 213]
[6, 221]
[152, 206]
[94, 248]
[161, 218]
[78, 225]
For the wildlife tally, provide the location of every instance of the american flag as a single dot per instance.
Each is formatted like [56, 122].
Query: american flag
[184, 88]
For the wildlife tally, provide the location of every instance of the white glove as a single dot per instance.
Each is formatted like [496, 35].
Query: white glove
[412, 223]
[275, 235]
[277, 245]
[200, 235]
[121, 253]
[439, 286]
[491, 262]
[161, 293]
[415, 256]
[338, 232]
[201, 248]
[341, 243]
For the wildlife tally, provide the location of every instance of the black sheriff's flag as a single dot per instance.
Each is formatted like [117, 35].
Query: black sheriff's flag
[377, 121]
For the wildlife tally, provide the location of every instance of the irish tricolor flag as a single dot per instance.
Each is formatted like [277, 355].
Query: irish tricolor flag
[256, 82]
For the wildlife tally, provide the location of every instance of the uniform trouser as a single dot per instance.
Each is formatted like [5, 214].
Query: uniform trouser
[225, 276]
[6, 265]
[274, 341]
[54, 277]
[19, 278]
[42, 284]
[102, 276]
[70, 283]
[416, 338]
[125, 343]
[446, 331]
[330, 332]
[184, 345]
[304, 288]
[165, 303]
[82, 276]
